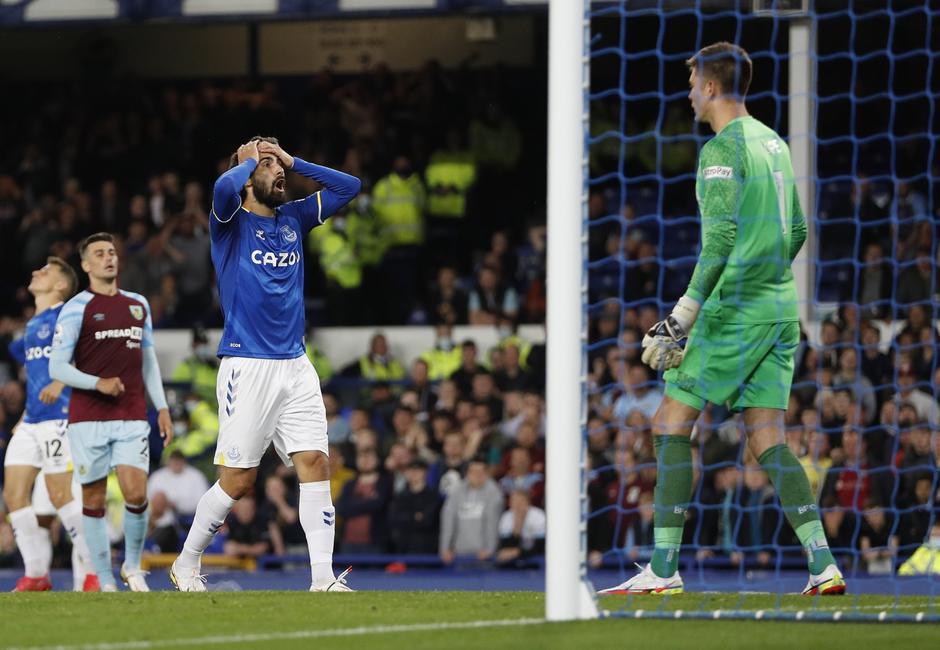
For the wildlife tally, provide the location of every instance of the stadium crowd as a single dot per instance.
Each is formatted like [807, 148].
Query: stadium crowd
[441, 225]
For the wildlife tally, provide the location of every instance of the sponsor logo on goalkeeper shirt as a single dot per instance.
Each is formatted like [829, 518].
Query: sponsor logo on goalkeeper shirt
[773, 146]
[717, 171]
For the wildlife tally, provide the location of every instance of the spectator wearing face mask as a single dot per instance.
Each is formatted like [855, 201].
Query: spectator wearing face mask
[200, 369]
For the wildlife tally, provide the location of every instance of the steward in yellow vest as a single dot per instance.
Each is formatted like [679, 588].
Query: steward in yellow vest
[378, 364]
[320, 361]
[449, 175]
[398, 201]
[445, 357]
[200, 369]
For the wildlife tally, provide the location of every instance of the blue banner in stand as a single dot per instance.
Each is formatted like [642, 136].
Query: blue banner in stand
[39, 12]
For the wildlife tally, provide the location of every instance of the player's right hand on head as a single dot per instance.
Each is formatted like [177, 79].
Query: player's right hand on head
[112, 386]
[662, 345]
[248, 150]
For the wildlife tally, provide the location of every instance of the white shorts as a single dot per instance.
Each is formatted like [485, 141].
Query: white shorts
[42, 504]
[43, 445]
[268, 400]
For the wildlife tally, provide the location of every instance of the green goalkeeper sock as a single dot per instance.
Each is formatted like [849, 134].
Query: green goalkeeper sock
[673, 490]
[798, 503]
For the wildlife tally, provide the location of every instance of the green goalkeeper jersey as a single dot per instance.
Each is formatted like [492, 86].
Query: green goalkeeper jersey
[752, 226]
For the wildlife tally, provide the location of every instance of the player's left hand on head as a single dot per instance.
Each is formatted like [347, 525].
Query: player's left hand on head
[662, 344]
[287, 161]
[165, 423]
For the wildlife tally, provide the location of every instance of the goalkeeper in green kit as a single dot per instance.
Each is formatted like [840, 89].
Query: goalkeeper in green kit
[740, 315]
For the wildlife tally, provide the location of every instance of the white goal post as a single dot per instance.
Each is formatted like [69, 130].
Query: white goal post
[568, 596]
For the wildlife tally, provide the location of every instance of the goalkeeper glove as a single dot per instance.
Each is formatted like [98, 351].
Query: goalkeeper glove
[662, 345]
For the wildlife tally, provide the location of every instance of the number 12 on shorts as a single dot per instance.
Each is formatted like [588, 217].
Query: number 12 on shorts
[53, 448]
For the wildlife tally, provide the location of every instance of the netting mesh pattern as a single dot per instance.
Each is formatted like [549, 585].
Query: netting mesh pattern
[863, 414]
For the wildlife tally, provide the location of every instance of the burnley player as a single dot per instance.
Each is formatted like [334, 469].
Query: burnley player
[268, 390]
[39, 441]
[108, 335]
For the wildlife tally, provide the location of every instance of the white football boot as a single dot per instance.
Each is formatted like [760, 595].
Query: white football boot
[187, 579]
[338, 585]
[646, 582]
[828, 583]
[135, 579]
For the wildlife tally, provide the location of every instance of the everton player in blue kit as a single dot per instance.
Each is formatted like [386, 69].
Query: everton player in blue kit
[267, 388]
[39, 441]
[108, 335]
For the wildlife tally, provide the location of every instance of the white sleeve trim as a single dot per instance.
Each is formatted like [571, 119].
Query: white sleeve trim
[319, 209]
[232, 216]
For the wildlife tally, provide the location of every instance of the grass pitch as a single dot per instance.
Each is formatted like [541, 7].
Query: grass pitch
[415, 620]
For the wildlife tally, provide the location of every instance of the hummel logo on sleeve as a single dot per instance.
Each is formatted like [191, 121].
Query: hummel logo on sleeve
[717, 171]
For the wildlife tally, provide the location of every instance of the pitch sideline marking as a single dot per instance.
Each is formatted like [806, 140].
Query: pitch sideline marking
[287, 636]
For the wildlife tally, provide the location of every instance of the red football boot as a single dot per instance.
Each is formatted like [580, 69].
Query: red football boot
[33, 584]
[91, 583]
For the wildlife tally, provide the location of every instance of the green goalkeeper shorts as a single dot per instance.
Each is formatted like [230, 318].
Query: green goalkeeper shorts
[740, 365]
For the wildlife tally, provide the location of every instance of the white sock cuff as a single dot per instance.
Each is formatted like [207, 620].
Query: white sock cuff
[222, 496]
[23, 516]
[315, 486]
[71, 509]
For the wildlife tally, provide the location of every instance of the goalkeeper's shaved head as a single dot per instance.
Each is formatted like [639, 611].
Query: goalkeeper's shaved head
[726, 64]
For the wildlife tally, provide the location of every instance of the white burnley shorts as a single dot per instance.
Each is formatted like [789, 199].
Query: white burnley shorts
[43, 445]
[268, 400]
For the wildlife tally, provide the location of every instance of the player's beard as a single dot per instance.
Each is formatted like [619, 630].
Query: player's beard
[269, 196]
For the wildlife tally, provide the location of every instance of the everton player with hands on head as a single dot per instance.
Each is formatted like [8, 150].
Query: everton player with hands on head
[268, 390]
[39, 441]
[108, 335]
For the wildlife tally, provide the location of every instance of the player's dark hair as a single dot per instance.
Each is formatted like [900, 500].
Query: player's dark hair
[233, 159]
[67, 272]
[726, 64]
[91, 239]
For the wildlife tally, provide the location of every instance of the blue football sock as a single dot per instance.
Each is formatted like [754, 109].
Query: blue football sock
[135, 530]
[96, 537]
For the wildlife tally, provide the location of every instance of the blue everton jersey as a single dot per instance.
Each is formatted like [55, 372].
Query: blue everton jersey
[259, 261]
[32, 351]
